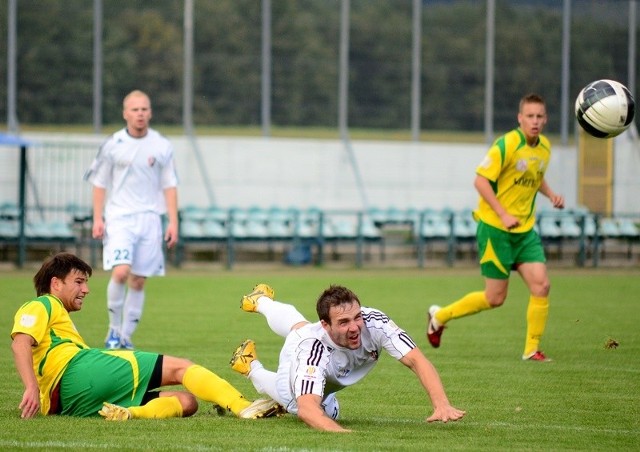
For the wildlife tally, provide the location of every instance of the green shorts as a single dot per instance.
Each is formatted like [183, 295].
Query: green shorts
[501, 251]
[94, 376]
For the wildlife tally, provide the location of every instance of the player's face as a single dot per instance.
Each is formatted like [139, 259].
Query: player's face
[532, 119]
[346, 325]
[71, 290]
[137, 114]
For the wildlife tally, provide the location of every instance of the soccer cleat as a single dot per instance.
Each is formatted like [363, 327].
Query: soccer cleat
[243, 356]
[262, 408]
[434, 330]
[537, 356]
[113, 412]
[126, 344]
[112, 342]
[249, 302]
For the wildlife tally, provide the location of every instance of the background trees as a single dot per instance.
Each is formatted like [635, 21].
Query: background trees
[143, 49]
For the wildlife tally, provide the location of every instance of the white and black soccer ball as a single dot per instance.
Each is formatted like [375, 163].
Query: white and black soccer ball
[605, 108]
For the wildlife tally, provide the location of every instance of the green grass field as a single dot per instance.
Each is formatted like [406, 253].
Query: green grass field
[588, 398]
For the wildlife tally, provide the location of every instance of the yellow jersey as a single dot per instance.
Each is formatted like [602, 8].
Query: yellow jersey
[47, 321]
[515, 171]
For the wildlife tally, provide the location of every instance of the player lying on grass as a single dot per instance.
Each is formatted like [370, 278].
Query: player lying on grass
[319, 359]
[63, 375]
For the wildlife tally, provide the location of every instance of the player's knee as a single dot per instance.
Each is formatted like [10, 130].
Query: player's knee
[137, 282]
[120, 273]
[496, 299]
[174, 369]
[189, 404]
[541, 288]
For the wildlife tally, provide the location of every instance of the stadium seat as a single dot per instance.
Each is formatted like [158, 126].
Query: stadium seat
[9, 229]
[216, 213]
[257, 213]
[344, 229]
[79, 214]
[569, 227]
[279, 229]
[9, 211]
[628, 228]
[193, 213]
[253, 230]
[190, 229]
[549, 228]
[214, 230]
[369, 230]
[441, 225]
[609, 228]
[305, 229]
[60, 230]
[590, 226]
[464, 228]
[377, 215]
[629, 231]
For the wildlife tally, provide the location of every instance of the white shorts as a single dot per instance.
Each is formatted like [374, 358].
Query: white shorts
[135, 240]
[286, 376]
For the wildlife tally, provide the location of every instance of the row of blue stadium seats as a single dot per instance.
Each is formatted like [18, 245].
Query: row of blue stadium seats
[275, 222]
[282, 223]
[276, 229]
[55, 230]
[573, 225]
[217, 222]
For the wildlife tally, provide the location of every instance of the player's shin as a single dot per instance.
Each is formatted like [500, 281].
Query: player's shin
[537, 313]
[206, 385]
[159, 408]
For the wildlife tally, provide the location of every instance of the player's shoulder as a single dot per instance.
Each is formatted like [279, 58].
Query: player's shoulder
[47, 302]
[156, 135]
[513, 139]
[115, 138]
[545, 142]
[373, 316]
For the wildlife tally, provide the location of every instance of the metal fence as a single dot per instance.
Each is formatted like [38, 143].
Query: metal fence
[496, 73]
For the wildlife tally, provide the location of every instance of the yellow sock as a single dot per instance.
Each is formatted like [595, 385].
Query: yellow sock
[206, 385]
[159, 408]
[537, 313]
[469, 304]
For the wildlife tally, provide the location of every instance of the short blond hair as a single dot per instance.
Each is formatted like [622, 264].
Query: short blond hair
[134, 93]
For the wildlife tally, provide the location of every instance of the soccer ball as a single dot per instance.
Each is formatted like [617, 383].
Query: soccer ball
[605, 108]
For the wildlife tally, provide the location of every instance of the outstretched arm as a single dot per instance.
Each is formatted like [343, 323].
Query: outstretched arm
[311, 412]
[430, 380]
[21, 347]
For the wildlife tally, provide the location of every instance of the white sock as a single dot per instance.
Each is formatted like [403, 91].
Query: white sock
[115, 302]
[280, 316]
[264, 380]
[132, 312]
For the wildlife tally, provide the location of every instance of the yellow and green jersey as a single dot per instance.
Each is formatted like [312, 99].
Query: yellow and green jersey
[47, 321]
[515, 171]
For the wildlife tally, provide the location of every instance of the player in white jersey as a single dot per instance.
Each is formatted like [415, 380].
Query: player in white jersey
[319, 359]
[134, 183]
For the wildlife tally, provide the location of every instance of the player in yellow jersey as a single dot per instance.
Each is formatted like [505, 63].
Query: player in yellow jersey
[61, 374]
[508, 180]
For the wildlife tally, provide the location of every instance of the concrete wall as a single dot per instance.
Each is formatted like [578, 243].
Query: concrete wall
[294, 172]
[303, 173]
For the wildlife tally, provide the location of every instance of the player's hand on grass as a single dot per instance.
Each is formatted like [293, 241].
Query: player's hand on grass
[446, 414]
[30, 404]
